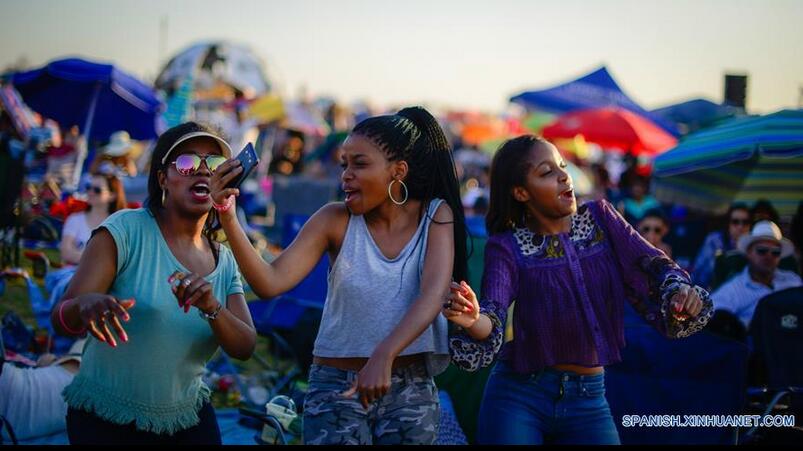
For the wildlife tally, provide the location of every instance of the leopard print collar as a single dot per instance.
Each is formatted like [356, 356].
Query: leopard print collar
[582, 230]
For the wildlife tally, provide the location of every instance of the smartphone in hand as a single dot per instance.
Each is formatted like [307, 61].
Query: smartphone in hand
[249, 160]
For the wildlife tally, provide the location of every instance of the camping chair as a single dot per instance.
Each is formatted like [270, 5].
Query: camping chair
[777, 336]
[284, 314]
[41, 307]
[702, 374]
[275, 317]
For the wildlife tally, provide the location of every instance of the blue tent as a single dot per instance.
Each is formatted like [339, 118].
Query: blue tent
[595, 90]
[696, 113]
[94, 96]
[99, 98]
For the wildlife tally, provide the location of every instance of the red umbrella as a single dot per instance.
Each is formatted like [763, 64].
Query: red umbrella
[612, 128]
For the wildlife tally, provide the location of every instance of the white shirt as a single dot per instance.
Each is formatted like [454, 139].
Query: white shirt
[741, 294]
[76, 226]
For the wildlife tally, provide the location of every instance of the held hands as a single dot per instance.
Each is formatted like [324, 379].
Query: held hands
[686, 303]
[461, 306]
[224, 174]
[192, 289]
[373, 380]
[97, 311]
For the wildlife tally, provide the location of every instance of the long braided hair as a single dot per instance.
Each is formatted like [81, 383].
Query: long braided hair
[413, 135]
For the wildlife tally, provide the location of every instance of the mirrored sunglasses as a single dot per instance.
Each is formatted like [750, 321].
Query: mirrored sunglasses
[189, 163]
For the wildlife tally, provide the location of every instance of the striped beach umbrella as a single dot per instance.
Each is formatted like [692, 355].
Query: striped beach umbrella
[742, 160]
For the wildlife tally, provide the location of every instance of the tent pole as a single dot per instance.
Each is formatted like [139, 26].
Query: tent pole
[83, 148]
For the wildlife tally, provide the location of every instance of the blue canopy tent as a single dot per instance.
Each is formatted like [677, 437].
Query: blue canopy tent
[696, 114]
[595, 90]
[99, 98]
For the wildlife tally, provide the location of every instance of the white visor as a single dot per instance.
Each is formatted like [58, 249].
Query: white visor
[223, 144]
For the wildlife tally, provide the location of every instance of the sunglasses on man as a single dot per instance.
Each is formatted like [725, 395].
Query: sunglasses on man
[189, 163]
[648, 229]
[763, 250]
[740, 222]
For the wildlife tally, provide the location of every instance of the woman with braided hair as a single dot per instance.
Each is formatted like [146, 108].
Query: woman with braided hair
[394, 245]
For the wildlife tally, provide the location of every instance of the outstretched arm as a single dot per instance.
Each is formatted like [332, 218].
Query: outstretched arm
[271, 279]
[86, 306]
[659, 290]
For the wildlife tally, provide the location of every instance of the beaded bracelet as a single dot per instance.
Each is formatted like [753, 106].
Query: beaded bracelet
[64, 323]
[223, 207]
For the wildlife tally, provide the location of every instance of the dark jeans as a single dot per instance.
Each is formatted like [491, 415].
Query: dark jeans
[85, 428]
[549, 407]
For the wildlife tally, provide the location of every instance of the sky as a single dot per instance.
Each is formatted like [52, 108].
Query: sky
[462, 54]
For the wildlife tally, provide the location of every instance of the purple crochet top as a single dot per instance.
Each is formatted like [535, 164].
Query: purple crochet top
[570, 290]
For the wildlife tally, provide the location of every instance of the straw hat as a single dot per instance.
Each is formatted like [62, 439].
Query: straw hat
[765, 231]
[119, 144]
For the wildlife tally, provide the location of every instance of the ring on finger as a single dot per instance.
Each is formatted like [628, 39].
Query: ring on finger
[186, 282]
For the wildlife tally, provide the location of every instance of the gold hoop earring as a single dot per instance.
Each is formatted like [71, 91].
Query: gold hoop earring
[390, 193]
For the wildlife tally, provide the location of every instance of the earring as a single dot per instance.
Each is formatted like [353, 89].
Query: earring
[390, 194]
[163, 197]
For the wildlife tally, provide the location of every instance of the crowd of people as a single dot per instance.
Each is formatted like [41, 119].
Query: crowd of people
[396, 240]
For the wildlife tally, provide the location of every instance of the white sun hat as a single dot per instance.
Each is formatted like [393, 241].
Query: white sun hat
[766, 231]
[119, 144]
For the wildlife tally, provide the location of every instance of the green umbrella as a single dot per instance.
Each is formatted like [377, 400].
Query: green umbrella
[743, 160]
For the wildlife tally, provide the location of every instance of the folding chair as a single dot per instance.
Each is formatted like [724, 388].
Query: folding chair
[777, 334]
[700, 375]
[41, 308]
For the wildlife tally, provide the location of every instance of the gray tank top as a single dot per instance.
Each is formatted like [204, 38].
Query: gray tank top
[369, 294]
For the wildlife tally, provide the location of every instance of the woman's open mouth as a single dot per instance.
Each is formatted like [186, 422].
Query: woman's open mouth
[351, 196]
[200, 191]
[567, 195]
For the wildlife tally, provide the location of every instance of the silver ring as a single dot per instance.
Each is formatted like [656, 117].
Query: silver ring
[186, 282]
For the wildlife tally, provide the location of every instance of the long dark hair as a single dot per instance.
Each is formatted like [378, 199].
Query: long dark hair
[115, 185]
[733, 207]
[163, 144]
[509, 169]
[413, 135]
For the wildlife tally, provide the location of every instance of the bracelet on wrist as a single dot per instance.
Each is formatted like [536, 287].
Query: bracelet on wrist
[64, 323]
[211, 316]
[225, 206]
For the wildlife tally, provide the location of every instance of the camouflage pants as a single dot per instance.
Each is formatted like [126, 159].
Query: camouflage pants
[408, 414]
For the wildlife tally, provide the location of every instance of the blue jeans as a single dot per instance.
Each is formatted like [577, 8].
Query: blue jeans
[550, 407]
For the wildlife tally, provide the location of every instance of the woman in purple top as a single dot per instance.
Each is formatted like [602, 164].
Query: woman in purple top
[569, 270]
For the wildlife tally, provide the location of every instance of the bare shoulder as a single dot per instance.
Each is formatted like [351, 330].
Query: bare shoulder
[333, 212]
[444, 213]
[332, 219]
